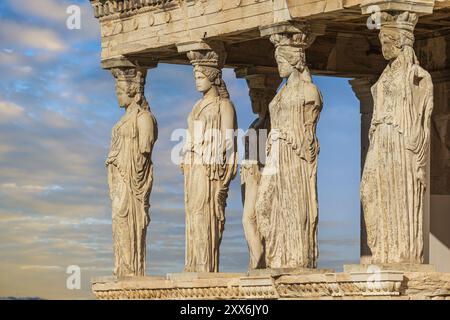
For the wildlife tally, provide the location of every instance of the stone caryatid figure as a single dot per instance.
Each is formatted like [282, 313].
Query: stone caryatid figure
[130, 172]
[286, 206]
[209, 163]
[394, 178]
[262, 89]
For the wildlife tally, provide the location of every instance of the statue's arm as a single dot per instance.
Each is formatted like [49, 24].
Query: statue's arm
[228, 119]
[423, 102]
[313, 97]
[374, 121]
[146, 128]
[229, 125]
[313, 106]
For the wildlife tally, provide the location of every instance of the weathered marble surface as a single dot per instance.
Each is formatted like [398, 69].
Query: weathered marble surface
[210, 162]
[145, 33]
[393, 285]
[286, 203]
[395, 171]
[130, 172]
[262, 89]
[406, 267]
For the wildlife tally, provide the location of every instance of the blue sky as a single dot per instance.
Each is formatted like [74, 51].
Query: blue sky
[57, 108]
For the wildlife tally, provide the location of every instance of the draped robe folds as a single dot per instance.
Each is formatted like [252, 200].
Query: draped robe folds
[209, 165]
[252, 162]
[394, 177]
[254, 142]
[130, 178]
[286, 206]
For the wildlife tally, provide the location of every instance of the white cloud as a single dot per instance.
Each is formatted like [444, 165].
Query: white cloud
[15, 34]
[8, 57]
[54, 119]
[32, 188]
[25, 69]
[10, 111]
[48, 9]
[54, 12]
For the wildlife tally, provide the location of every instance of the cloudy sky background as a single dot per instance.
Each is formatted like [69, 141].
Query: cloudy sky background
[57, 108]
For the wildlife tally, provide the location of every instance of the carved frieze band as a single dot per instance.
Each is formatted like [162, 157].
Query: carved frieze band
[110, 7]
[278, 289]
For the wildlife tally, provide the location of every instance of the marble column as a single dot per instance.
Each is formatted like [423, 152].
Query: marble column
[395, 176]
[440, 173]
[440, 138]
[434, 53]
[286, 204]
[263, 83]
[210, 157]
[130, 169]
[362, 89]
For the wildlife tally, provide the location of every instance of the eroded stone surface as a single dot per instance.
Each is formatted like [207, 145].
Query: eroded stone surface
[209, 163]
[395, 178]
[262, 88]
[361, 285]
[407, 267]
[130, 172]
[286, 204]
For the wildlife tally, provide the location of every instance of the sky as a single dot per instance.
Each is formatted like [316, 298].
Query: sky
[57, 108]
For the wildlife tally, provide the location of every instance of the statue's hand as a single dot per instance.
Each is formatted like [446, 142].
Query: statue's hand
[182, 167]
[221, 196]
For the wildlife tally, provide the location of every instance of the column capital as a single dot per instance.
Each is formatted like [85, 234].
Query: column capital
[200, 45]
[421, 7]
[259, 77]
[362, 89]
[130, 75]
[204, 53]
[311, 30]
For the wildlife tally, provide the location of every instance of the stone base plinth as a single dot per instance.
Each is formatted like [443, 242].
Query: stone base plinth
[407, 267]
[389, 284]
[191, 276]
[286, 271]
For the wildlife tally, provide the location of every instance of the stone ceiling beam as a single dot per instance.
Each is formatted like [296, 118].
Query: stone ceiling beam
[129, 61]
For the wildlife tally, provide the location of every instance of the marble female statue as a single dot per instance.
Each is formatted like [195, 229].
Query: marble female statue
[394, 177]
[286, 206]
[261, 93]
[130, 172]
[209, 163]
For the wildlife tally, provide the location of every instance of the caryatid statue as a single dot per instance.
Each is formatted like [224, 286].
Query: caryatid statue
[130, 172]
[262, 89]
[395, 172]
[286, 205]
[209, 164]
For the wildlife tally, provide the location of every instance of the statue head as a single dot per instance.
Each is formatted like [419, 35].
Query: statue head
[130, 84]
[208, 71]
[259, 101]
[397, 33]
[206, 77]
[262, 89]
[202, 82]
[290, 52]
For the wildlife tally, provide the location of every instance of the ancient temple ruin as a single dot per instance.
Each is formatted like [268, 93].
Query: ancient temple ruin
[398, 54]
